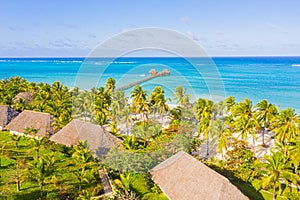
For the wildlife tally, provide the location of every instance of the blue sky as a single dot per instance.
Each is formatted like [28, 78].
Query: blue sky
[64, 28]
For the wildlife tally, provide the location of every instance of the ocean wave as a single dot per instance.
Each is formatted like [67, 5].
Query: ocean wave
[39, 61]
[123, 62]
[295, 65]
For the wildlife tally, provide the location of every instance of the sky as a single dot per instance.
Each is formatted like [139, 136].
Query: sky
[65, 28]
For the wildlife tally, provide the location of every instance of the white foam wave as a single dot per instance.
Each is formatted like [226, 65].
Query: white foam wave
[295, 65]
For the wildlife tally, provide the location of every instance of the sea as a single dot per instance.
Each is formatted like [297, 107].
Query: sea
[276, 79]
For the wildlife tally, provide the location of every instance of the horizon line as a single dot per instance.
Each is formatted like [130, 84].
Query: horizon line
[213, 56]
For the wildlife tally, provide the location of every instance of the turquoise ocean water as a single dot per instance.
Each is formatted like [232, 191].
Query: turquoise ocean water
[276, 79]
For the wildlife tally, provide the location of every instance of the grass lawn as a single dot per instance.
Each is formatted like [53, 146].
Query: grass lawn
[62, 184]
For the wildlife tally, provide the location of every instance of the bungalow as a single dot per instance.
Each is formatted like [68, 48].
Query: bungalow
[98, 140]
[6, 115]
[41, 122]
[182, 177]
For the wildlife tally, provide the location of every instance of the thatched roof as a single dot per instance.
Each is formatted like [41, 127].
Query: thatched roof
[99, 140]
[27, 96]
[183, 177]
[39, 121]
[6, 115]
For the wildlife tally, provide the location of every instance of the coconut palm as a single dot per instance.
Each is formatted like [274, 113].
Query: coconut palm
[40, 170]
[36, 145]
[118, 104]
[16, 139]
[203, 112]
[265, 114]
[158, 101]
[244, 119]
[139, 101]
[3, 152]
[181, 97]
[110, 85]
[83, 161]
[229, 102]
[276, 171]
[224, 137]
[286, 126]
[126, 117]
[102, 104]
[83, 105]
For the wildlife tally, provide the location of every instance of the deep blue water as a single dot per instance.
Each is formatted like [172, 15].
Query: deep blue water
[276, 79]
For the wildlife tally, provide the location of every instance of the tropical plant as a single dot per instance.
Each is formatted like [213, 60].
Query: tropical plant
[102, 104]
[181, 97]
[139, 101]
[83, 162]
[276, 170]
[158, 101]
[286, 126]
[40, 170]
[265, 114]
[110, 85]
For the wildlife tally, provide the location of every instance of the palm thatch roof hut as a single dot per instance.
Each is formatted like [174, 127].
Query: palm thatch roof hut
[41, 122]
[99, 140]
[6, 115]
[26, 96]
[183, 177]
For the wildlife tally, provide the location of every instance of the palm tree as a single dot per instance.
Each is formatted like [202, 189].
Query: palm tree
[294, 153]
[244, 120]
[110, 85]
[3, 152]
[181, 97]
[245, 126]
[224, 137]
[36, 145]
[102, 104]
[229, 102]
[203, 112]
[265, 114]
[215, 129]
[140, 104]
[276, 171]
[118, 104]
[16, 139]
[146, 130]
[83, 105]
[286, 126]
[83, 161]
[40, 170]
[158, 101]
[126, 117]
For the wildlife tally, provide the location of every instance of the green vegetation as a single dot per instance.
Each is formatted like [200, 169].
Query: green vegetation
[53, 174]
[151, 132]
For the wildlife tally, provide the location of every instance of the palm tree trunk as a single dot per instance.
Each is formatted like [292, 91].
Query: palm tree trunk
[207, 147]
[274, 192]
[17, 177]
[41, 189]
[80, 187]
[263, 137]
[284, 144]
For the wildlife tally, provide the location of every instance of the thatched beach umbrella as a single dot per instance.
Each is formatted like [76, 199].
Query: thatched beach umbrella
[182, 177]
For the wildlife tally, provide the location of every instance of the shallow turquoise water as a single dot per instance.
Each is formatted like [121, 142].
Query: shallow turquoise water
[274, 78]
